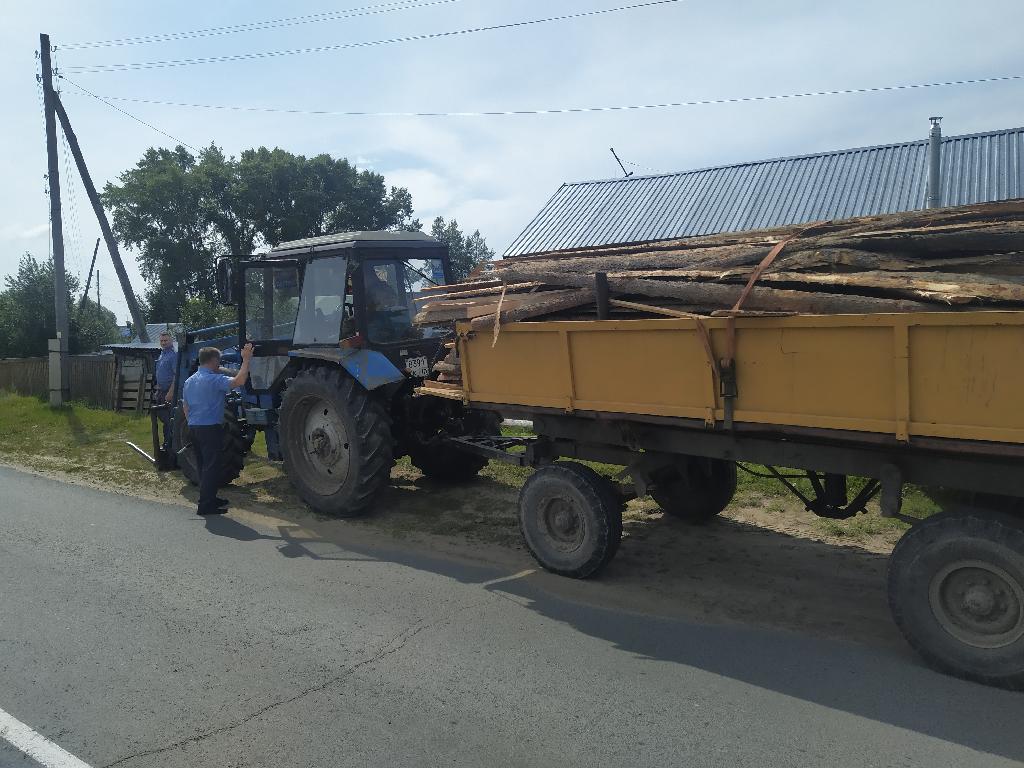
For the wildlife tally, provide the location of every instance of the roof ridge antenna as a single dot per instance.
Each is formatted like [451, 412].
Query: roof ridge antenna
[617, 160]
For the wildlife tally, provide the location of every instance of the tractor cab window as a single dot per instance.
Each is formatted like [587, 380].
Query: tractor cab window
[390, 289]
[326, 302]
[271, 301]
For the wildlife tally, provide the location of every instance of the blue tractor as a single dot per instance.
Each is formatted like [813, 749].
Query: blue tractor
[337, 357]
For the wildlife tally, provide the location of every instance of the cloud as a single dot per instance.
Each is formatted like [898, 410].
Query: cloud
[20, 232]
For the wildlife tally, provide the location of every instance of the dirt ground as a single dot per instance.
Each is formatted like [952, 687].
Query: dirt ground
[764, 561]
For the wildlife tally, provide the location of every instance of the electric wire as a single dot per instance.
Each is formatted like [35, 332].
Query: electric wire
[258, 26]
[74, 229]
[127, 114]
[559, 111]
[69, 190]
[643, 167]
[134, 66]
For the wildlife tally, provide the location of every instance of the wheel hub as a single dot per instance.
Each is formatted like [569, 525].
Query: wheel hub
[326, 442]
[978, 603]
[563, 523]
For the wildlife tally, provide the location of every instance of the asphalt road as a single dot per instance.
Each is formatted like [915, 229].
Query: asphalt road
[136, 634]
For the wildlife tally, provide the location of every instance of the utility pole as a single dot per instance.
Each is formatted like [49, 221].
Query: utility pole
[58, 347]
[101, 216]
[99, 306]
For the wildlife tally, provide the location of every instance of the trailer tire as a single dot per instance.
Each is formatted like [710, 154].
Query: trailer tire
[445, 463]
[336, 440]
[238, 440]
[695, 489]
[956, 591]
[570, 518]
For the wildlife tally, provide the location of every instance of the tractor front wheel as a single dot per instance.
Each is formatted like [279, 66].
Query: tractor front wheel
[238, 440]
[337, 443]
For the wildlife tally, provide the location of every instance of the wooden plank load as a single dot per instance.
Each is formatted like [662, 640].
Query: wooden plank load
[969, 257]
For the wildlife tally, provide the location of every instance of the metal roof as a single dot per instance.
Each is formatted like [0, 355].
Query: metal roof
[346, 239]
[977, 167]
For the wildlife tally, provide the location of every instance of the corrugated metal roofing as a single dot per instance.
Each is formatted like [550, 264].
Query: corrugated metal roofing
[978, 167]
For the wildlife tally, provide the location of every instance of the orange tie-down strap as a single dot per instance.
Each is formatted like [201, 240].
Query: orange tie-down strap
[727, 362]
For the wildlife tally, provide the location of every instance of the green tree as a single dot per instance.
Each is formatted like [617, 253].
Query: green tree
[27, 318]
[181, 211]
[201, 312]
[466, 252]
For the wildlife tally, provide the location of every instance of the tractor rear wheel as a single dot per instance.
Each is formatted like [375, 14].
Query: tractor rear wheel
[238, 440]
[695, 489]
[337, 443]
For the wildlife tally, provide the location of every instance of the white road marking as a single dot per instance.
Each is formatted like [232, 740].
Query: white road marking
[35, 745]
[513, 577]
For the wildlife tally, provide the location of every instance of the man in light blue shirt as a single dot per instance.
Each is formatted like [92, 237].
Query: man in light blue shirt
[163, 394]
[203, 405]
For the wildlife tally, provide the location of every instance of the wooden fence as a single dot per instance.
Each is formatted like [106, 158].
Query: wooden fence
[91, 378]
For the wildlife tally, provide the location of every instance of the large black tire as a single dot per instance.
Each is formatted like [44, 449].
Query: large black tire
[238, 440]
[336, 440]
[443, 462]
[956, 591]
[695, 489]
[570, 518]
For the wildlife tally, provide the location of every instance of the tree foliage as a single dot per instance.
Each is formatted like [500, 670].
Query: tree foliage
[466, 252]
[181, 211]
[27, 318]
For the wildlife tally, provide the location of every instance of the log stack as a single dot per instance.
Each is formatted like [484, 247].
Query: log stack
[969, 257]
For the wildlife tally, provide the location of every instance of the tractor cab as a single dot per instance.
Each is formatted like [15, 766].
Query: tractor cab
[336, 295]
[336, 363]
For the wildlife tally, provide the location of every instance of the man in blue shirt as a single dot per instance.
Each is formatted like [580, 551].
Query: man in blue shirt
[166, 370]
[203, 405]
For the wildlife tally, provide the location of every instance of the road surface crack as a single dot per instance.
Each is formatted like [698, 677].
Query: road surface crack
[392, 646]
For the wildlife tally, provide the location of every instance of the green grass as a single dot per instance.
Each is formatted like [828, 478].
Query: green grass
[76, 439]
[90, 443]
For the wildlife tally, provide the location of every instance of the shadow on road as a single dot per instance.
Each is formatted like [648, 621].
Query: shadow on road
[726, 572]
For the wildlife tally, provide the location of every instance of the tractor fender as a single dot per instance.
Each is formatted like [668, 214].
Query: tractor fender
[368, 367]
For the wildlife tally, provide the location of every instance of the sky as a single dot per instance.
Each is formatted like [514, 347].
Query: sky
[491, 173]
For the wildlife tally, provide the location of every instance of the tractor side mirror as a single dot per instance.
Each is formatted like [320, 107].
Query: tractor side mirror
[226, 283]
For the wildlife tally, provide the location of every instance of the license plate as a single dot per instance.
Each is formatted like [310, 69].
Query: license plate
[418, 367]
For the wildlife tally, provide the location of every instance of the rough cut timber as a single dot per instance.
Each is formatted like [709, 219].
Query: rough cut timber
[971, 257]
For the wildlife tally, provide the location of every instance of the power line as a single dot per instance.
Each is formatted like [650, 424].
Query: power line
[127, 67]
[559, 111]
[127, 114]
[643, 167]
[256, 26]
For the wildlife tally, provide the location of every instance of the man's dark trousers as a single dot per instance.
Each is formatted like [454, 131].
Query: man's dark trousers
[163, 415]
[208, 442]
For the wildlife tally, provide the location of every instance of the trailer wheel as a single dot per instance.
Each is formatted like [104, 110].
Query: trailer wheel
[445, 463]
[956, 591]
[570, 518]
[238, 440]
[336, 440]
[695, 489]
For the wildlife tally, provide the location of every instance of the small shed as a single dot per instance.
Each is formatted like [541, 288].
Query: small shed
[136, 364]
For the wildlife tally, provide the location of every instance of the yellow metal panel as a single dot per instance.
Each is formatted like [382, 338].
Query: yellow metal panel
[815, 371]
[662, 367]
[968, 375]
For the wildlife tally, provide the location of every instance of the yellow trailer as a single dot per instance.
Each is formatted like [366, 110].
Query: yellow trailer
[929, 375]
[932, 399]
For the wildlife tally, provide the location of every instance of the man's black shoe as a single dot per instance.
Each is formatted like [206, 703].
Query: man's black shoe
[212, 511]
[221, 502]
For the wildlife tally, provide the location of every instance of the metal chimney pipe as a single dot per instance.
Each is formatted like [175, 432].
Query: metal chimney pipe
[935, 163]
